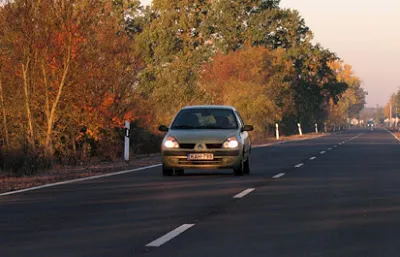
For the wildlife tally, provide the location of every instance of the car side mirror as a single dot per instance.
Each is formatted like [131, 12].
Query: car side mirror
[163, 128]
[247, 128]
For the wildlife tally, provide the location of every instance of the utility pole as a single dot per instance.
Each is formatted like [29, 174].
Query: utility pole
[390, 116]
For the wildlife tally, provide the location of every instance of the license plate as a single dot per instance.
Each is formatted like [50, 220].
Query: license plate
[200, 156]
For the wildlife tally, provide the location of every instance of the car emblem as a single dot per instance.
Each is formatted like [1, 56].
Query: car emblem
[200, 147]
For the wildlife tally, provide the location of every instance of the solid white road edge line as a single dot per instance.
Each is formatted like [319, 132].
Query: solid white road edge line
[79, 180]
[299, 165]
[398, 139]
[244, 193]
[170, 235]
[313, 158]
[279, 175]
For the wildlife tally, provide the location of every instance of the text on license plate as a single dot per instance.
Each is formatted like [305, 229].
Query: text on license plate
[200, 156]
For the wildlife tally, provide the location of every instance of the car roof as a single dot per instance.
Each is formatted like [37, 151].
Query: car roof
[210, 107]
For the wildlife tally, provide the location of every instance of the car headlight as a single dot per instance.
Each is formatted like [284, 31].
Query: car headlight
[231, 143]
[171, 143]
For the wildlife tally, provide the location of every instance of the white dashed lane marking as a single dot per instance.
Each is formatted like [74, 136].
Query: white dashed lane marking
[279, 175]
[313, 158]
[299, 165]
[170, 235]
[244, 193]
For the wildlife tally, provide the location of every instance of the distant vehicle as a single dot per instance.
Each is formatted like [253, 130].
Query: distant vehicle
[370, 124]
[207, 137]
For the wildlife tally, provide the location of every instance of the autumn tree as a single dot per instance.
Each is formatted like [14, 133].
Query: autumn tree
[75, 70]
[251, 80]
[352, 101]
[392, 108]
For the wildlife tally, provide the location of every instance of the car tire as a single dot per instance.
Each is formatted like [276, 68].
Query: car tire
[180, 172]
[246, 166]
[238, 171]
[167, 172]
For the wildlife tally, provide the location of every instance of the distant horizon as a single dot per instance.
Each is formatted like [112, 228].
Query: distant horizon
[345, 28]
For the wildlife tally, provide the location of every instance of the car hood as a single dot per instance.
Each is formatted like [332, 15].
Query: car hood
[202, 136]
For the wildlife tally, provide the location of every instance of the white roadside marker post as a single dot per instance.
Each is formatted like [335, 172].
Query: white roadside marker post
[277, 131]
[316, 128]
[127, 132]
[325, 128]
[300, 131]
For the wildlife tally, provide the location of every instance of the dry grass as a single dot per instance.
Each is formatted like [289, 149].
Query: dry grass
[10, 183]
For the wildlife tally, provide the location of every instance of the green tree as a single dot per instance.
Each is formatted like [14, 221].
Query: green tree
[278, 28]
[232, 23]
[174, 47]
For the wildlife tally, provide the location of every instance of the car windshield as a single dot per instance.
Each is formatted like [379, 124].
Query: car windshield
[205, 119]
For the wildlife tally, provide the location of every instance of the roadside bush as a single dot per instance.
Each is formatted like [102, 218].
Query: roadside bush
[24, 163]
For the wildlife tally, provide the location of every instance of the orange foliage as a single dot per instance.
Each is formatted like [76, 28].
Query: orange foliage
[245, 65]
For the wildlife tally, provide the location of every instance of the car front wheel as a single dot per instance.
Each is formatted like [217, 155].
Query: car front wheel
[238, 171]
[246, 166]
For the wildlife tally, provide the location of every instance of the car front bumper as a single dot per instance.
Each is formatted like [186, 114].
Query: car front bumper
[223, 159]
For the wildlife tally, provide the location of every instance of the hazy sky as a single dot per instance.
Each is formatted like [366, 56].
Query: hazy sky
[364, 33]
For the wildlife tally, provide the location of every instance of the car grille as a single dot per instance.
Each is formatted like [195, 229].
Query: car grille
[191, 146]
[214, 146]
[187, 146]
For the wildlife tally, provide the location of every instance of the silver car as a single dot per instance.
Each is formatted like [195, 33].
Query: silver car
[207, 137]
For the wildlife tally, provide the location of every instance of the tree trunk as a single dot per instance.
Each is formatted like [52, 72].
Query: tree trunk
[46, 92]
[51, 115]
[74, 152]
[3, 108]
[31, 137]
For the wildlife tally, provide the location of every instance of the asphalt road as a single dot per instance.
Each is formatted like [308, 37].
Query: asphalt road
[343, 202]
